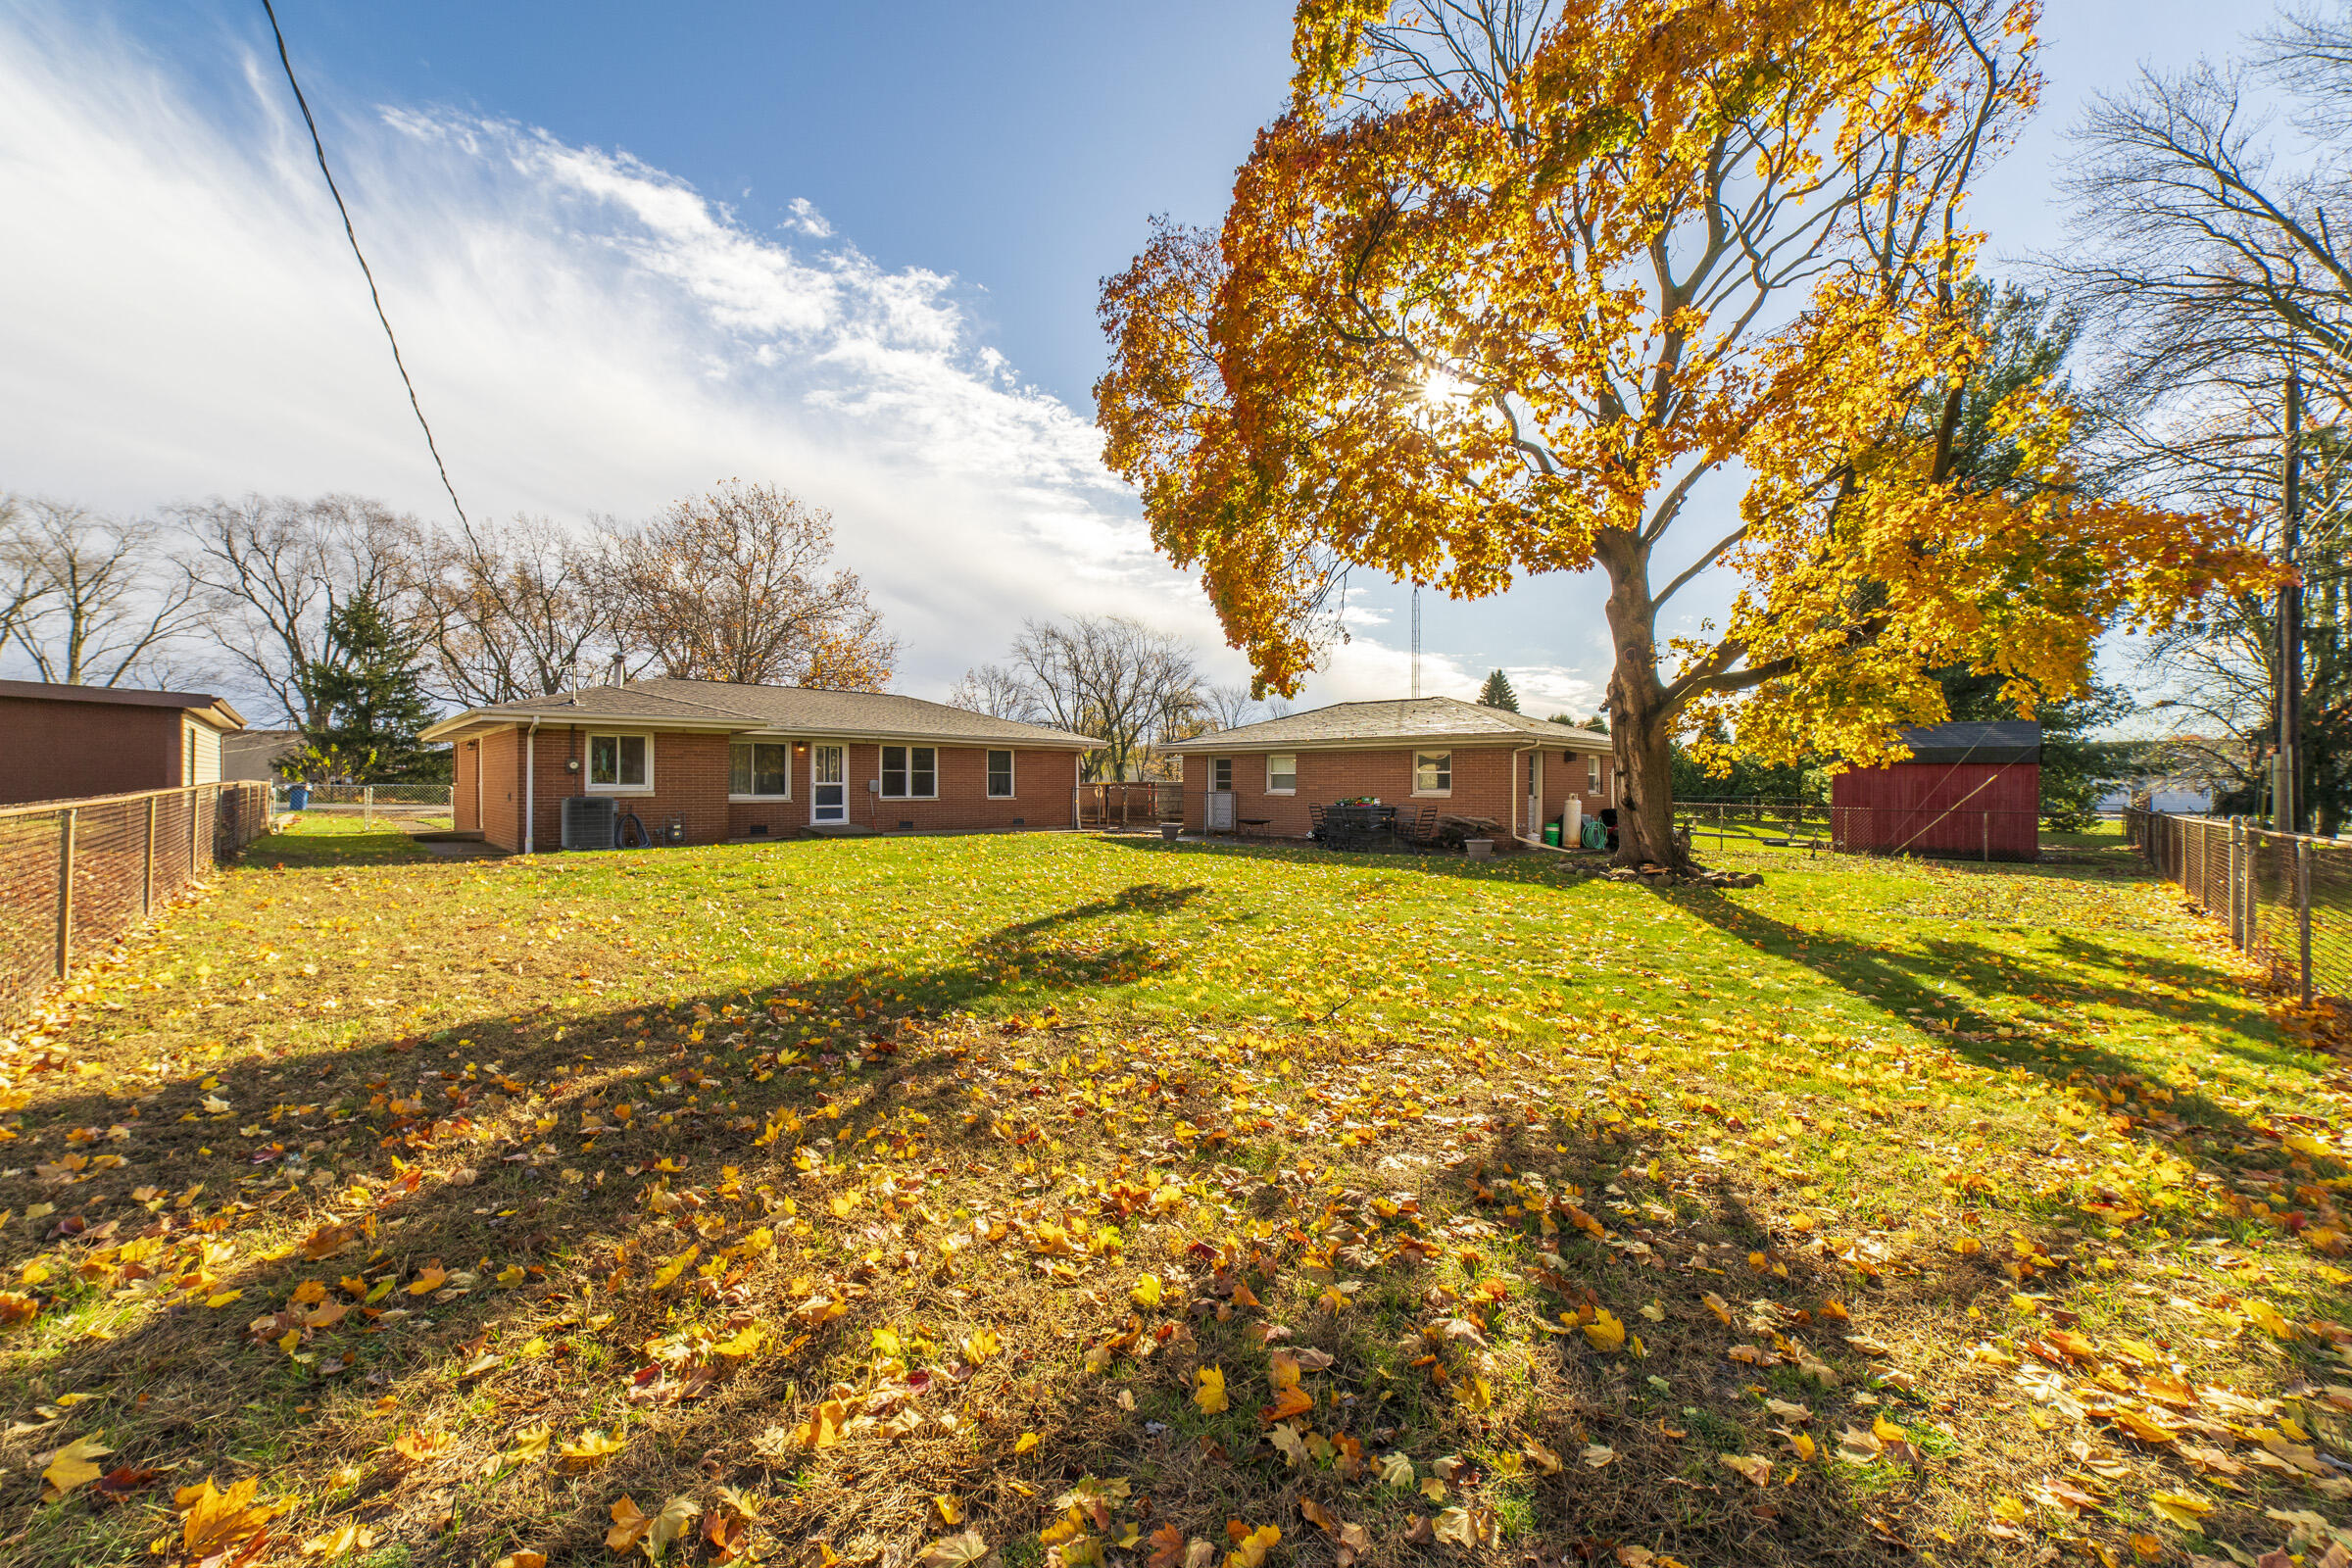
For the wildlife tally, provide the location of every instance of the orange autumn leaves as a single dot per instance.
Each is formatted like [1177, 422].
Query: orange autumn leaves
[1475, 311]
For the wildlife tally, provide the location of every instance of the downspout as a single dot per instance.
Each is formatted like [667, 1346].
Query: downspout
[530, 781]
[1519, 795]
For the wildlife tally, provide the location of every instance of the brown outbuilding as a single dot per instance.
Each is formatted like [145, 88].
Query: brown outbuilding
[61, 742]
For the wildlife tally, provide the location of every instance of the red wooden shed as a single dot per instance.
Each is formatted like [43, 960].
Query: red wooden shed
[1970, 790]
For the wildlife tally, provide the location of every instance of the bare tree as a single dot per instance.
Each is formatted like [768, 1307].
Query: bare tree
[1226, 707]
[272, 570]
[734, 586]
[18, 582]
[2211, 257]
[1112, 677]
[2212, 251]
[517, 610]
[994, 690]
[92, 601]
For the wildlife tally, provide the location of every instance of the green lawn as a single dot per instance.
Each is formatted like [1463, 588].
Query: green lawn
[866, 1193]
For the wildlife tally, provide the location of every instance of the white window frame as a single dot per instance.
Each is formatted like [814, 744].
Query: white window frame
[1272, 773]
[616, 736]
[988, 772]
[1220, 768]
[908, 769]
[783, 746]
[1443, 769]
[1592, 773]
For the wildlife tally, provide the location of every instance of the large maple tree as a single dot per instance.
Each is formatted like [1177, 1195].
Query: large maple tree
[1653, 286]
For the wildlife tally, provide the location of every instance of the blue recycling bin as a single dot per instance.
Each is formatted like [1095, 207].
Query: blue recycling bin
[298, 796]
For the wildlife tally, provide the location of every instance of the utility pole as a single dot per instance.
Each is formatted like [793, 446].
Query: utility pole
[1416, 639]
[2288, 791]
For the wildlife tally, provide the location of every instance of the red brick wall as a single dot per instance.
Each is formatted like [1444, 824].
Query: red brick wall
[1482, 785]
[57, 751]
[691, 778]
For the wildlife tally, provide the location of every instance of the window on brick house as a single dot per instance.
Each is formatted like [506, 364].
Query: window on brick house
[1592, 775]
[1000, 776]
[1432, 772]
[909, 774]
[1221, 775]
[1282, 773]
[620, 762]
[760, 770]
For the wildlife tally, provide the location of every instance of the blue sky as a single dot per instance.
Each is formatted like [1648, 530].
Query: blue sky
[632, 250]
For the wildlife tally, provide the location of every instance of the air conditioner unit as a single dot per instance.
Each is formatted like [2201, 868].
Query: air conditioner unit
[588, 821]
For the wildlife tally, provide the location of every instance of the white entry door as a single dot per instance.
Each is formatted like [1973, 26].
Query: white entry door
[828, 784]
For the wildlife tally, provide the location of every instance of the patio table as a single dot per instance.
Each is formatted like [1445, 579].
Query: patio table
[1360, 827]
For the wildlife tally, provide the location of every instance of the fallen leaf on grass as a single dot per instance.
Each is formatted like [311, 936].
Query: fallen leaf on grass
[335, 1542]
[2178, 1509]
[1755, 1469]
[629, 1526]
[1606, 1330]
[591, 1447]
[670, 1525]
[1250, 1548]
[1025, 1441]
[530, 1443]
[521, 1559]
[215, 1520]
[71, 1466]
[1598, 1455]
[1858, 1446]
[427, 1280]
[953, 1551]
[1210, 1395]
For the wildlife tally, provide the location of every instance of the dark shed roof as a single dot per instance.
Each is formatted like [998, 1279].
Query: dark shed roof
[2009, 741]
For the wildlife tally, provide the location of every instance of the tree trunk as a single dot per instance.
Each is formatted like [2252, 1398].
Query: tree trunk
[1640, 724]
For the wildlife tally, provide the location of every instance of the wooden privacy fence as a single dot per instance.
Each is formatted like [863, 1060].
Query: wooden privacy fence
[2287, 898]
[1142, 806]
[76, 874]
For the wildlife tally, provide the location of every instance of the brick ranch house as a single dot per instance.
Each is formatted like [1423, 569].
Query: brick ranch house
[733, 762]
[1464, 758]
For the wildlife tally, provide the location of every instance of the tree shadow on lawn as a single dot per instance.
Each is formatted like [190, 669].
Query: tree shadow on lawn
[188, 1384]
[193, 1374]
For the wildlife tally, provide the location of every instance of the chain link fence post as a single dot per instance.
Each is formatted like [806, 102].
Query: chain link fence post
[2303, 912]
[65, 891]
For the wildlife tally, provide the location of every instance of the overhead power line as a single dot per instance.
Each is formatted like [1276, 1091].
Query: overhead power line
[318, 147]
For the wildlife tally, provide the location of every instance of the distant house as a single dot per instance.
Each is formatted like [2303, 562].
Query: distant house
[1462, 759]
[1970, 790]
[717, 761]
[61, 742]
[255, 754]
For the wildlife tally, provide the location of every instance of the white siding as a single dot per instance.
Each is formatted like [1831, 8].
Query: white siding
[200, 748]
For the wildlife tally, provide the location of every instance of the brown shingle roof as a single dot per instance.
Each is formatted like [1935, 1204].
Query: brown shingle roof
[789, 710]
[1407, 720]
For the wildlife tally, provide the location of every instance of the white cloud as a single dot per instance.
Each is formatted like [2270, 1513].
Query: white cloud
[588, 334]
[807, 219]
[1362, 669]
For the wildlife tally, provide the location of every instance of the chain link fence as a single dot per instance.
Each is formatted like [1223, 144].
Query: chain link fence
[74, 875]
[2287, 898]
[371, 801]
[1945, 832]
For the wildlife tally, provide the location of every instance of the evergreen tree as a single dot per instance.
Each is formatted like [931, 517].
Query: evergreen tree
[1497, 693]
[369, 689]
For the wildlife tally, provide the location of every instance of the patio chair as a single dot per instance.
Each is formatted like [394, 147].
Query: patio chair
[1314, 821]
[1424, 829]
